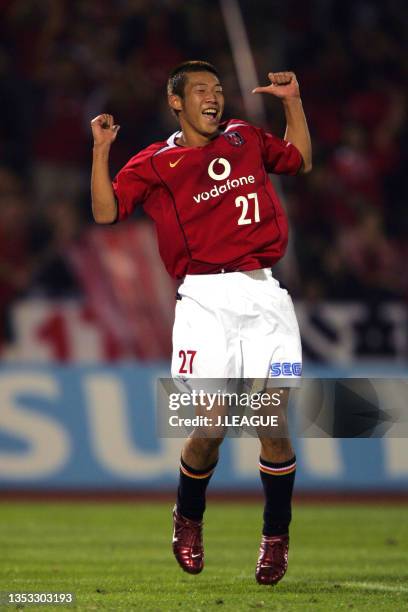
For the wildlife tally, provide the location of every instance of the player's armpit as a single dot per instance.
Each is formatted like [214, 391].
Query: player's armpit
[134, 182]
[301, 169]
[280, 156]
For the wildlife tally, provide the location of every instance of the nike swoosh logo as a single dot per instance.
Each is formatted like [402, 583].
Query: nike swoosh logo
[174, 164]
[195, 556]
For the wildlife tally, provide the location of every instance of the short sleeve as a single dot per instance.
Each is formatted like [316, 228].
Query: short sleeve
[132, 185]
[279, 156]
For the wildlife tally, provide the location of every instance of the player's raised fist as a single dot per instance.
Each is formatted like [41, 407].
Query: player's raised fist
[104, 129]
[283, 85]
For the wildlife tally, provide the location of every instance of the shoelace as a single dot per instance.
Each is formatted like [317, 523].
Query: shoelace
[274, 551]
[193, 530]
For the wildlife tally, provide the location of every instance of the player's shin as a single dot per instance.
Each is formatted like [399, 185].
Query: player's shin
[192, 489]
[278, 480]
[187, 516]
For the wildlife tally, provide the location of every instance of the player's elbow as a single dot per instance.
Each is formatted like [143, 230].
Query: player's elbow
[104, 213]
[103, 217]
[306, 166]
[104, 221]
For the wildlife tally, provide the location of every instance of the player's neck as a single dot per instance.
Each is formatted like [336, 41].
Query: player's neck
[192, 138]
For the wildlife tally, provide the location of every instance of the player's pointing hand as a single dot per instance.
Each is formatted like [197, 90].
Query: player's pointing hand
[283, 85]
[104, 129]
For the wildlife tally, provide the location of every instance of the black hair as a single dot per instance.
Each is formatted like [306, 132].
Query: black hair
[177, 78]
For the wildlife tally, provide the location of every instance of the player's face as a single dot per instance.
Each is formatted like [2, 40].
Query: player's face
[203, 103]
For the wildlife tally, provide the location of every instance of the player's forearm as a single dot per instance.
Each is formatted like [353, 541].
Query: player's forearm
[297, 131]
[104, 207]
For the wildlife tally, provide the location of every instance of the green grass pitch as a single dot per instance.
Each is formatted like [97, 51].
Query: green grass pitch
[117, 556]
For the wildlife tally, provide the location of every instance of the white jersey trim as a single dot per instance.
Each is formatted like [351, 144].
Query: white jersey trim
[170, 143]
[171, 140]
[234, 125]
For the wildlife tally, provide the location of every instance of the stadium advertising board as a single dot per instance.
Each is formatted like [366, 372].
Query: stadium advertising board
[94, 427]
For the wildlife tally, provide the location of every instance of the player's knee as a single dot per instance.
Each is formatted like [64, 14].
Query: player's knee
[278, 448]
[212, 443]
[205, 447]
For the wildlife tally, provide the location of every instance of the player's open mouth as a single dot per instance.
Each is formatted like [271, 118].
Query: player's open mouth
[211, 114]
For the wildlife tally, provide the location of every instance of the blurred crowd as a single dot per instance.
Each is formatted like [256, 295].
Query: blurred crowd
[62, 62]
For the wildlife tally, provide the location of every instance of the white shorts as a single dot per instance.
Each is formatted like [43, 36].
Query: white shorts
[235, 325]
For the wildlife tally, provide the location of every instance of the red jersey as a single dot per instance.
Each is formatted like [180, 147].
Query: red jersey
[214, 207]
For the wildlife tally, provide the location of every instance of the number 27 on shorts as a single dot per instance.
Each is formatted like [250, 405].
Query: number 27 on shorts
[187, 358]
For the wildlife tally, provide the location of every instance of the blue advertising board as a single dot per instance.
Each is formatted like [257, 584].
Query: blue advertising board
[93, 428]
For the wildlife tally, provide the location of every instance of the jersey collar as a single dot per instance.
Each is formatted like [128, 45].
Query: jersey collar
[171, 141]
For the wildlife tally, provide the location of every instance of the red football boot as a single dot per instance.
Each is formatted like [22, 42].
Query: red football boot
[273, 559]
[188, 543]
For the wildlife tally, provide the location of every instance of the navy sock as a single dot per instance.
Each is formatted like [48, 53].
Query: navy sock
[191, 490]
[277, 480]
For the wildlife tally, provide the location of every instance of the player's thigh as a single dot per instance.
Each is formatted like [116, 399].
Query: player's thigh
[272, 347]
[200, 344]
[271, 410]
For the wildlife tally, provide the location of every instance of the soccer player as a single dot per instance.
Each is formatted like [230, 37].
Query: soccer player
[221, 229]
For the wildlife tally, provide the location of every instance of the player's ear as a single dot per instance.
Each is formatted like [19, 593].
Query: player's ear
[175, 102]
